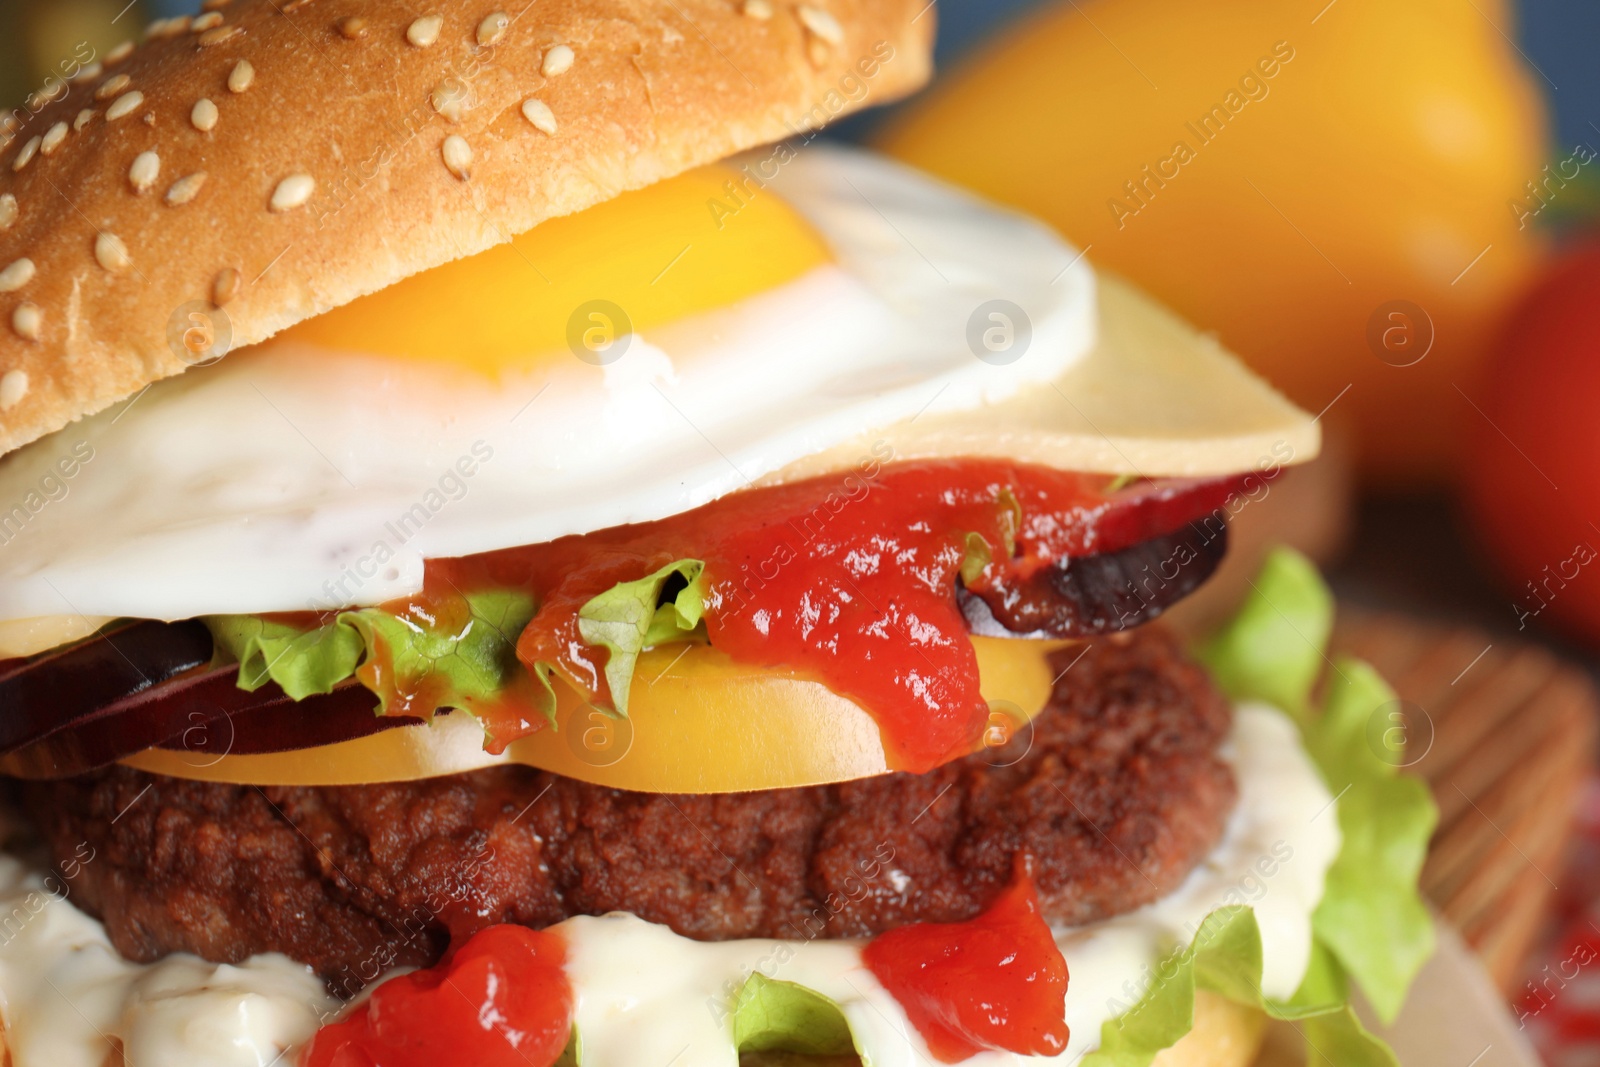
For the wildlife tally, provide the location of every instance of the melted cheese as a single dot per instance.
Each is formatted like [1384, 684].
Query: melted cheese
[646, 995]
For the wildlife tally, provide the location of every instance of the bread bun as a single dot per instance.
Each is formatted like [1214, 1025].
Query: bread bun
[277, 158]
[1225, 1034]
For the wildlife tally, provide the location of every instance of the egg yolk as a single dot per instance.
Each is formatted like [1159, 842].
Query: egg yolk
[686, 245]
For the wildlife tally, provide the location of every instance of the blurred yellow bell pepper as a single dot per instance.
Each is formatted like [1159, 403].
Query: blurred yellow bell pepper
[1280, 172]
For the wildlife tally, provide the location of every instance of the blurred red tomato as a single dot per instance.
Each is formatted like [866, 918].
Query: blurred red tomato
[1533, 483]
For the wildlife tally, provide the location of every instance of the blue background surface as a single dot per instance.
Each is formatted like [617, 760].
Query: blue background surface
[1560, 37]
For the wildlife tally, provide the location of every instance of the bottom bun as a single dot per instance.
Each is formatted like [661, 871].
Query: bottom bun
[1225, 1034]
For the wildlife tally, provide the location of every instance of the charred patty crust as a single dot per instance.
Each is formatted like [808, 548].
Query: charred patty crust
[1117, 793]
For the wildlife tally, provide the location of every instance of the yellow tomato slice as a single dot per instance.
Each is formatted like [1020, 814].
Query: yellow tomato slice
[699, 723]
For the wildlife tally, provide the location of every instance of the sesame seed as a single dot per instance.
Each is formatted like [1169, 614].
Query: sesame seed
[110, 252]
[294, 5]
[424, 31]
[352, 27]
[757, 9]
[202, 23]
[112, 86]
[240, 77]
[818, 51]
[53, 138]
[203, 116]
[19, 273]
[119, 53]
[13, 387]
[26, 153]
[821, 23]
[144, 171]
[557, 61]
[538, 112]
[8, 211]
[457, 156]
[224, 286]
[28, 321]
[83, 119]
[218, 34]
[292, 192]
[186, 188]
[493, 27]
[125, 104]
[449, 98]
[167, 27]
[87, 74]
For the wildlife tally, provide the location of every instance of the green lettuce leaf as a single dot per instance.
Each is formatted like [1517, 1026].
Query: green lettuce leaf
[1371, 917]
[1010, 520]
[629, 618]
[466, 665]
[1225, 958]
[1274, 648]
[301, 661]
[572, 1055]
[773, 1016]
[976, 557]
[461, 663]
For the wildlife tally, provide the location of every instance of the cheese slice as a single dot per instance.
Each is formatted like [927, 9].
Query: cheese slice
[1154, 397]
[26, 637]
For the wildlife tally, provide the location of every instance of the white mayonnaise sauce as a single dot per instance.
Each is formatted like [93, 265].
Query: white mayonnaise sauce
[66, 994]
[646, 995]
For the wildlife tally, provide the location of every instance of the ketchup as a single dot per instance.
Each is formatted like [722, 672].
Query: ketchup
[995, 982]
[847, 579]
[501, 1000]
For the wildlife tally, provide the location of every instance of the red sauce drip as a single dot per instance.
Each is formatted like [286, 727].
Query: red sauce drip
[501, 1000]
[995, 982]
[850, 580]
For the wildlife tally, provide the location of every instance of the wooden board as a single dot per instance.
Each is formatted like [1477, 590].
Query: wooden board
[1513, 737]
[1513, 730]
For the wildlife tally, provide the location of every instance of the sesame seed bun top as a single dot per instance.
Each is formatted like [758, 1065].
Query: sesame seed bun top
[277, 158]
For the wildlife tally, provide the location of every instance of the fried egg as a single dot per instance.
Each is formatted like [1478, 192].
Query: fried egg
[575, 379]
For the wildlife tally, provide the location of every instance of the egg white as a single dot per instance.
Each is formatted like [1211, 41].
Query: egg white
[288, 477]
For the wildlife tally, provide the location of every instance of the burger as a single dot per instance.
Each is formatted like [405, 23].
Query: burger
[516, 552]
